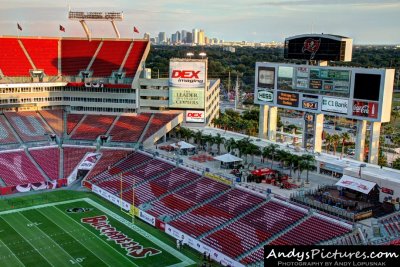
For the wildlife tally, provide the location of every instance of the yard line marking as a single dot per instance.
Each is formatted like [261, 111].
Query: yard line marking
[53, 241]
[76, 239]
[37, 250]
[124, 256]
[12, 253]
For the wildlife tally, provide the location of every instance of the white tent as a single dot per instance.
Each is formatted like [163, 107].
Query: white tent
[228, 158]
[356, 184]
[182, 145]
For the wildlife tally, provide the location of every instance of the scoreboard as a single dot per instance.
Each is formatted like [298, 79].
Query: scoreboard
[357, 93]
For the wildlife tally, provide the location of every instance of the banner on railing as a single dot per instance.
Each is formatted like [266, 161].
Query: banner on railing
[200, 247]
[112, 198]
[218, 178]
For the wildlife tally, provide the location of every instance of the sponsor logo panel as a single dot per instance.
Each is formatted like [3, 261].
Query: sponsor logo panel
[195, 116]
[265, 96]
[190, 74]
[336, 105]
[365, 109]
[288, 99]
[147, 218]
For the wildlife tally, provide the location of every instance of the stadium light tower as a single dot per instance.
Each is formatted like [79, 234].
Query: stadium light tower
[82, 17]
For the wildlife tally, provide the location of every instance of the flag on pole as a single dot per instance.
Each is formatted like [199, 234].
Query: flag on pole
[62, 28]
[19, 27]
[135, 29]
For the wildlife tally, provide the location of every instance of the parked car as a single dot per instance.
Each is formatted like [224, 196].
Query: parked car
[327, 127]
[352, 131]
[337, 128]
[351, 151]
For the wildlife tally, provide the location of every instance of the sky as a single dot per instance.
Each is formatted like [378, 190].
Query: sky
[366, 21]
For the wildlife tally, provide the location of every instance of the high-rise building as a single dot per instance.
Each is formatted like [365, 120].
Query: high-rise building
[183, 36]
[195, 36]
[201, 37]
[189, 37]
[162, 38]
[146, 35]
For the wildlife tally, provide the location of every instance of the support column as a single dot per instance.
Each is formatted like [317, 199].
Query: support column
[318, 128]
[374, 142]
[262, 129]
[360, 140]
[272, 121]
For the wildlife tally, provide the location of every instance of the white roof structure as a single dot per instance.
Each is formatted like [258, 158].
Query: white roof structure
[356, 184]
[182, 145]
[228, 158]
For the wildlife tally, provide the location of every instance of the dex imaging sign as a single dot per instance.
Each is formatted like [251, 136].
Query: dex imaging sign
[187, 74]
[336, 105]
[195, 116]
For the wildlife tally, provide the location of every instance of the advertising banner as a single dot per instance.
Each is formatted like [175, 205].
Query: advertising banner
[336, 105]
[265, 96]
[147, 218]
[110, 197]
[365, 109]
[266, 77]
[310, 104]
[195, 116]
[189, 74]
[288, 99]
[89, 161]
[186, 97]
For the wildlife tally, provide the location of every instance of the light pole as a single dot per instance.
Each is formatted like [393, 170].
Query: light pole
[362, 165]
[190, 54]
[202, 54]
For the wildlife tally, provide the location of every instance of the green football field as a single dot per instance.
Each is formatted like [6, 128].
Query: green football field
[80, 232]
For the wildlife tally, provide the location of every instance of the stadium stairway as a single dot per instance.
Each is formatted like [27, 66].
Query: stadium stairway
[94, 56]
[26, 54]
[36, 165]
[45, 122]
[128, 52]
[76, 126]
[145, 129]
[273, 237]
[199, 205]
[147, 205]
[61, 167]
[12, 129]
[234, 219]
[112, 125]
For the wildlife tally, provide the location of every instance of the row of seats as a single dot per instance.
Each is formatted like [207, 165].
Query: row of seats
[16, 168]
[92, 126]
[108, 158]
[157, 122]
[129, 128]
[49, 160]
[54, 119]
[310, 232]
[72, 121]
[6, 135]
[72, 157]
[76, 54]
[28, 125]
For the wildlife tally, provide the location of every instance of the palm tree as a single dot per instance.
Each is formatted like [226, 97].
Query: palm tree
[291, 160]
[252, 150]
[185, 133]
[209, 140]
[218, 140]
[198, 136]
[230, 145]
[270, 150]
[345, 137]
[328, 142]
[282, 156]
[335, 141]
[242, 145]
[308, 164]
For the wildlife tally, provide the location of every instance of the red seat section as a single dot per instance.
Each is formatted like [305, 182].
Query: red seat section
[158, 121]
[72, 157]
[129, 128]
[13, 61]
[55, 119]
[49, 160]
[6, 135]
[72, 121]
[29, 125]
[109, 58]
[17, 169]
[108, 158]
[76, 55]
[134, 58]
[44, 54]
[92, 126]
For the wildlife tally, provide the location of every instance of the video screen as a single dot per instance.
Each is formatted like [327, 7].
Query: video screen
[367, 86]
[266, 77]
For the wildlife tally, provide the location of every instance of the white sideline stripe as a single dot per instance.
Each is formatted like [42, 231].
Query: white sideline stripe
[75, 239]
[185, 260]
[52, 240]
[38, 251]
[11, 252]
[124, 256]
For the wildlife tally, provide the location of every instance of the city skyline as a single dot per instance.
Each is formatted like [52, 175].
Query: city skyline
[366, 21]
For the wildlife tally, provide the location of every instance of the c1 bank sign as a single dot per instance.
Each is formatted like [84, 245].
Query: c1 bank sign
[336, 105]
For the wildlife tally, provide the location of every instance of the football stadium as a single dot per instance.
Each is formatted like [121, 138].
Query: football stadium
[94, 170]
